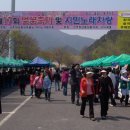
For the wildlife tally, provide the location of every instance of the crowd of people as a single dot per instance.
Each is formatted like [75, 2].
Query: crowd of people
[100, 85]
[87, 84]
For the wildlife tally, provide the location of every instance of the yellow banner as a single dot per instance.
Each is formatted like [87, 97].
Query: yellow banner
[124, 20]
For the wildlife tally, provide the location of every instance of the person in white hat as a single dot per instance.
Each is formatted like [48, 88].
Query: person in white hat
[124, 89]
[87, 94]
[105, 88]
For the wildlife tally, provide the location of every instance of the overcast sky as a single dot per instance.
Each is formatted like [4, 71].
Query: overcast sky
[69, 5]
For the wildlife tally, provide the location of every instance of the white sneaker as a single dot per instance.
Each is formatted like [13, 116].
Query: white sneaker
[110, 105]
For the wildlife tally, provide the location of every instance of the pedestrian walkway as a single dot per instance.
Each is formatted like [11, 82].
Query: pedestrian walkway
[58, 114]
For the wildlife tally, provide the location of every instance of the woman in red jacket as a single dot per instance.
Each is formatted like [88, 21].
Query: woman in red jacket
[87, 94]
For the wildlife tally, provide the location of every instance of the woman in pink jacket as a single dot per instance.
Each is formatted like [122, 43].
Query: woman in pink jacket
[38, 84]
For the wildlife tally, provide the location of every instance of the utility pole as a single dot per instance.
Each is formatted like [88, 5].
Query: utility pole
[11, 44]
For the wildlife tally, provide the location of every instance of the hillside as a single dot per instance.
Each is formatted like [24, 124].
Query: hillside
[113, 43]
[54, 38]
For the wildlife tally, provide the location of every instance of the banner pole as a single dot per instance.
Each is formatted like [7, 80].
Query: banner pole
[11, 44]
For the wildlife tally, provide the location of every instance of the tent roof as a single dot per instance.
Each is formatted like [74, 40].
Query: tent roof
[122, 59]
[39, 61]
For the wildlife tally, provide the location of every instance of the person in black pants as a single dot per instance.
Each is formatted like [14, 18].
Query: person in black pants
[105, 88]
[22, 82]
[57, 79]
[75, 83]
[0, 92]
[95, 79]
[87, 94]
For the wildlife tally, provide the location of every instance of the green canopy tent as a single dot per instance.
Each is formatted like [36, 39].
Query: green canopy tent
[3, 62]
[99, 61]
[10, 62]
[122, 59]
[94, 63]
[108, 60]
[85, 64]
[7, 62]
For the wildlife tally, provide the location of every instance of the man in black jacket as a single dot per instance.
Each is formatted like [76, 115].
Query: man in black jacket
[22, 82]
[105, 88]
[57, 79]
[75, 83]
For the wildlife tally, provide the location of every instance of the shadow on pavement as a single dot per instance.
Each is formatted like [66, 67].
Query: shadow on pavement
[55, 100]
[8, 90]
[114, 118]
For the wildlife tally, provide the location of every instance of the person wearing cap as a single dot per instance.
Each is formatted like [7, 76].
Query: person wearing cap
[87, 94]
[105, 88]
[124, 87]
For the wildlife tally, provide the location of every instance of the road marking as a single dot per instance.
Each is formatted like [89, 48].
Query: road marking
[10, 103]
[39, 127]
[13, 97]
[7, 112]
[14, 111]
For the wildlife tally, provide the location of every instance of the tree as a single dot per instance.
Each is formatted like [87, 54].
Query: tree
[63, 56]
[58, 54]
[48, 55]
[4, 38]
[25, 46]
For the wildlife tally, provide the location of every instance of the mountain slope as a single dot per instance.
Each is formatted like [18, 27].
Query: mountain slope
[113, 43]
[55, 38]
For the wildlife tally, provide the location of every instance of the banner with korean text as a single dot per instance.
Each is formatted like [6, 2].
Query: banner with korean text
[89, 20]
[124, 20]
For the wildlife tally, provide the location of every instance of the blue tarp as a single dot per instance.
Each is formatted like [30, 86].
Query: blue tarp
[39, 62]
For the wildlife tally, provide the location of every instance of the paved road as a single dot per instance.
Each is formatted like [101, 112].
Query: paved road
[25, 113]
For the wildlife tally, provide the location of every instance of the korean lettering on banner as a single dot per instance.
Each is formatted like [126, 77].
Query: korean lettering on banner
[92, 20]
[124, 20]
[38, 20]
[23, 20]
[5, 20]
[59, 20]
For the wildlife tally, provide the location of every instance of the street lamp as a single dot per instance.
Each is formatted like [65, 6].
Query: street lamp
[11, 44]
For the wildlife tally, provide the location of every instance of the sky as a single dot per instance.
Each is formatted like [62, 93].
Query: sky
[69, 5]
